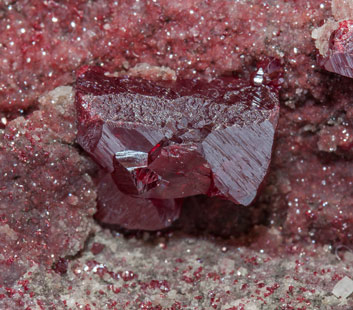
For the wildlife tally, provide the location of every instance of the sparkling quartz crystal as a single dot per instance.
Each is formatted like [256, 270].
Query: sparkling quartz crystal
[171, 140]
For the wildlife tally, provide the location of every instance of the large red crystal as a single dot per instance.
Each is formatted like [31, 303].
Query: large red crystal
[166, 141]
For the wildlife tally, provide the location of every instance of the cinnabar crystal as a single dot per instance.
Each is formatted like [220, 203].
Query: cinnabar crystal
[339, 57]
[164, 141]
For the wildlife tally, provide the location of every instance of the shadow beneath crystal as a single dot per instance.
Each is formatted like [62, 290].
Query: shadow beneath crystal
[212, 218]
[218, 217]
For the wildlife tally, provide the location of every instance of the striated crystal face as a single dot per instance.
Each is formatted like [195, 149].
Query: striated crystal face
[171, 140]
[339, 57]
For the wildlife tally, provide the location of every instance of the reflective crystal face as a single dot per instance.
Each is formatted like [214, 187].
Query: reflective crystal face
[164, 141]
[339, 58]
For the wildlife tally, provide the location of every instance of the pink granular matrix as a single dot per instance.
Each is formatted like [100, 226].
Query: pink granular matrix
[43, 42]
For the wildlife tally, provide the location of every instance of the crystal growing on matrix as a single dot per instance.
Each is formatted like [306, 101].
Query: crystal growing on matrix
[170, 140]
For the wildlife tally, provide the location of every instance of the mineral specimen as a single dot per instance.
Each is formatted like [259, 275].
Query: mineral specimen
[339, 55]
[46, 196]
[189, 137]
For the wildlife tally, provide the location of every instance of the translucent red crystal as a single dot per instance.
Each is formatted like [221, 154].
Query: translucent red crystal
[133, 213]
[177, 139]
[269, 72]
[339, 57]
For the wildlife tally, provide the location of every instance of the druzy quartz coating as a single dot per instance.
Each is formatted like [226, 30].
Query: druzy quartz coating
[168, 140]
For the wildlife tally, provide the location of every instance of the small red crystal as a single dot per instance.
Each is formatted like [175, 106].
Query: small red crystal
[61, 265]
[269, 72]
[97, 248]
[189, 137]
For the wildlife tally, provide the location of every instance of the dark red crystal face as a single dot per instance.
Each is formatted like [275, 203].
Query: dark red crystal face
[133, 213]
[339, 58]
[268, 72]
[164, 141]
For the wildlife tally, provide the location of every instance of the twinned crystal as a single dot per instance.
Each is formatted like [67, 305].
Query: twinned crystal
[160, 141]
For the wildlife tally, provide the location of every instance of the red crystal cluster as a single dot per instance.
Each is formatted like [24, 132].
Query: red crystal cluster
[162, 141]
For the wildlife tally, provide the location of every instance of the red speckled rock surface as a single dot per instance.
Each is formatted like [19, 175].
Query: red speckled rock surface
[43, 42]
[311, 191]
[47, 196]
[308, 197]
[184, 272]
